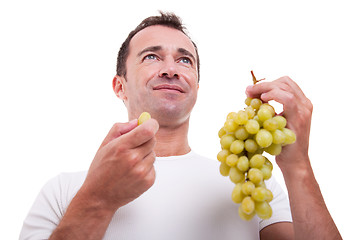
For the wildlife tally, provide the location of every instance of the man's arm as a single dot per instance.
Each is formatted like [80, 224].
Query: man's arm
[311, 218]
[121, 171]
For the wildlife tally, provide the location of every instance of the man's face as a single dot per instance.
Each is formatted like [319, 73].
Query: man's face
[161, 75]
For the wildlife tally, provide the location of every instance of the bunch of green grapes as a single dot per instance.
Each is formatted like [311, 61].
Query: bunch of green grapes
[243, 138]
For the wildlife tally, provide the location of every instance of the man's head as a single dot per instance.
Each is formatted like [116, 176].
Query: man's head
[158, 71]
[165, 19]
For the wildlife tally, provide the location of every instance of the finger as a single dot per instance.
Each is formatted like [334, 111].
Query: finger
[138, 135]
[117, 130]
[255, 91]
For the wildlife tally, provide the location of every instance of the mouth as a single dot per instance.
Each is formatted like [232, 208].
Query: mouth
[168, 87]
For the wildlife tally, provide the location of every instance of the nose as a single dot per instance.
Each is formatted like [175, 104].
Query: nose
[168, 69]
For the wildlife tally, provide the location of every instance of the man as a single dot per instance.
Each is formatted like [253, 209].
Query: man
[121, 197]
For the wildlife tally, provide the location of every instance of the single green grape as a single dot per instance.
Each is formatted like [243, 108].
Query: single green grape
[223, 154]
[237, 146]
[264, 138]
[232, 160]
[270, 124]
[237, 195]
[278, 136]
[241, 117]
[251, 145]
[264, 114]
[255, 103]
[259, 194]
[268, 164]
[255, 175]
[243, 164]
[257, 161]
[244, 216]
[224, 169]
[226, 141]
[247, 187]
[263, 210]
[242, 134]
[269, 196]
[143, 117]
[231, 115]
[248, 101]
[250, 112]
[230, 125]
[281, 121]
[266, 171]
[221, 132]
[236, 176]
[290, 136]
[268, 107]
[252, 126]
[248, 205]
[274, 149]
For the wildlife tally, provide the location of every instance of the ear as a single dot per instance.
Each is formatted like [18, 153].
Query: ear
[119, 87]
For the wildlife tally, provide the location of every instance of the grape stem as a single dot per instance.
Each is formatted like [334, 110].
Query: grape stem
[254, 78]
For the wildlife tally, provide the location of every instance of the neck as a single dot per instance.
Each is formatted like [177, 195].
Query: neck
[172, 140]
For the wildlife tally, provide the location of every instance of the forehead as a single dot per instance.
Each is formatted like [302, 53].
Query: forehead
[157, 35]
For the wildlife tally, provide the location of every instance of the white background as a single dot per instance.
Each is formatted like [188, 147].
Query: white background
[57, 61]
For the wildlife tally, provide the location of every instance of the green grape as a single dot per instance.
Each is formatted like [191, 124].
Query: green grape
[257, 161]
[255, 175]
[222, 155]
[237, 146]
[260, 184]
[263, 210]
[248, 101]
[259, 194]
[250, 112]
[241, 117]
[266, 171]
[258, 120]
[244, 216]
[278, 136]
[247, 187]
[144, 116]
[268, 107]
[251, 145]
[255, 103]
[269, 196]
[232, 160]
[236, 176]
[281, 121]
[264, 138]
[226, 141]
[243, 164]
[242, 134]
[268, 164]
[270, 124]
[221, 132]
[224, 169]
[274, 149]
[231, 115]
[264, 114]
[248, 205]
[252, 126]
[230, 125]
[237, 195]
[290, 136]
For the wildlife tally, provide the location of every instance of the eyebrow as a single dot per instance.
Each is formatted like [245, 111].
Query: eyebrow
[159, 48]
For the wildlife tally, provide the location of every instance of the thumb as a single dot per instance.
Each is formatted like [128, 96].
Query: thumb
[119, 129]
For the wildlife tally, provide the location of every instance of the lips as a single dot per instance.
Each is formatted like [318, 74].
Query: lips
[168, 87]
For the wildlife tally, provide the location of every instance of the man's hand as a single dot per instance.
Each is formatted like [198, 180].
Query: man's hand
[297, 110]
[311, 219]
[121, 171]
[123, 166]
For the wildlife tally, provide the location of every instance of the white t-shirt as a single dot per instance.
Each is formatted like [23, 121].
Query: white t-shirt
[189, 200]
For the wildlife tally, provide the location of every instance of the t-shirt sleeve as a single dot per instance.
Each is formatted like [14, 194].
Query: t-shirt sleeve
[280, 205]
[45, 213]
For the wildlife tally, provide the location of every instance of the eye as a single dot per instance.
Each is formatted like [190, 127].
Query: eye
[185, 60]
[150, 57]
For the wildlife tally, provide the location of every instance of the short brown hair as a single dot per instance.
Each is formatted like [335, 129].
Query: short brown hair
[165, 19]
